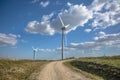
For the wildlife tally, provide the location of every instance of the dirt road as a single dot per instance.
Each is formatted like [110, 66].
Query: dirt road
[58, 71]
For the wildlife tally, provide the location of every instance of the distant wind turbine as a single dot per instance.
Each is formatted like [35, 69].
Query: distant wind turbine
[34, 50]
[63, 32]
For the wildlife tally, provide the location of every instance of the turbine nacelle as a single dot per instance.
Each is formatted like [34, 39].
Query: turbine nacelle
[64, 27]
[35, 49]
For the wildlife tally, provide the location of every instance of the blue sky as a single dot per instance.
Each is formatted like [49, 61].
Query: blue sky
[93, 28]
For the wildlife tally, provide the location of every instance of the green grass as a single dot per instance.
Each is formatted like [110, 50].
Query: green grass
[106, 67]
[18, 69]
[102, 60]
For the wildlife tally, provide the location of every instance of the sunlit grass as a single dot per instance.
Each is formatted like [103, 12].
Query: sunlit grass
[107, 61]
[18, 69]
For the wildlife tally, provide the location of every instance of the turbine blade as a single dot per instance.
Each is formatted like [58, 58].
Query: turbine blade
[67, 26]
[61, 21]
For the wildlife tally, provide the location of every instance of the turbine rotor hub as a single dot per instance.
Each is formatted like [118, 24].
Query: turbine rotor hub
[63, 28]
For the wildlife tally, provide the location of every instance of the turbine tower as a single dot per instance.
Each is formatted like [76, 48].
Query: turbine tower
[63, 32]
[34, 50]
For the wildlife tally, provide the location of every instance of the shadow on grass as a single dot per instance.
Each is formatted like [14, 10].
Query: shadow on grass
[105, 71]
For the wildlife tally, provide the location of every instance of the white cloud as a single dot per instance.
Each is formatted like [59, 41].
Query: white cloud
[99, 35]
[46, 18]
[8, 39]
[96, 38]
[75, 16]
[97, 5]
[105, 13]
[46, 50]
[102, 33]
[45, 4]
[69, 4]
[39, 28]
[100, 41]
[103, 39]
[109, 38]
[88, 30]
[84, 45]
[65, 49]
[42, 27]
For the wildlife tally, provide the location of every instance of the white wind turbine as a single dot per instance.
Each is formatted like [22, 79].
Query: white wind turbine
[34, 50]
[63, 32]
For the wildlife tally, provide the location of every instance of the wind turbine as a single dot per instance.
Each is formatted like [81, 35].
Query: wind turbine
[34, 50]
[63, 32]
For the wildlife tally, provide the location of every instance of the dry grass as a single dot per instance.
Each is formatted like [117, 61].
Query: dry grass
[18, 69]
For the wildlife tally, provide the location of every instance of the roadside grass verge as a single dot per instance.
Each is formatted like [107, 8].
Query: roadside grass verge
[106, 67]
[18, 69]
[89, 75]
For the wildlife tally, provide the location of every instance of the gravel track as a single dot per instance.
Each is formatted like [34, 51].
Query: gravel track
[58, 71]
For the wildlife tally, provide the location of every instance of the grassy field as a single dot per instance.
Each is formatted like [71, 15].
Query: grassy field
[19, 69]
[111, 61]
[106, 67]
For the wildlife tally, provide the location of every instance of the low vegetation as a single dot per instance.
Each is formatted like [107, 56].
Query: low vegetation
[106, 67]
[18, 69]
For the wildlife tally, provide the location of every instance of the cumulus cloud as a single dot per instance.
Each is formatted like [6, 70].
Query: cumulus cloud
[45, 4]
[88, 30]
[76, 15]
[106, 13]
[8, 39]
[103, 14]
[42, 27]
